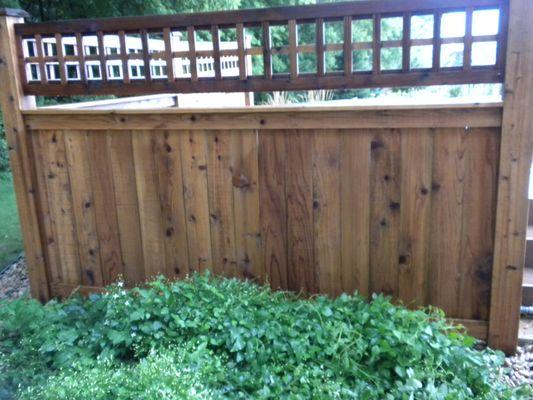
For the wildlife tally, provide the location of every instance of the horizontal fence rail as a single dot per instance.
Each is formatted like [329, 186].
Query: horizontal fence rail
[345, 45]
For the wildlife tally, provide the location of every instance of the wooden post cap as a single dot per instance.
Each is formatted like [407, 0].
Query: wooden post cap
[13, 12]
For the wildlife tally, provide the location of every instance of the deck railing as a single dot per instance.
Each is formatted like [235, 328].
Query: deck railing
[283, 35]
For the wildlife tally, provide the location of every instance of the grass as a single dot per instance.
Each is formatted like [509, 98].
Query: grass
[216, 338]
[10, 235]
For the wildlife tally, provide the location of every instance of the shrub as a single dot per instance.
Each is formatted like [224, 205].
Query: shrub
[230, 339]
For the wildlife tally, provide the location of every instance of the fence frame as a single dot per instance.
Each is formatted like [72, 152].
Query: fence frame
[515, 152]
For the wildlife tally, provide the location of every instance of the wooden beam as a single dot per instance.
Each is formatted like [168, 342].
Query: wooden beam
[12, 100]
[269, 118]
[227, 19]
[260, 84]
[515, 161]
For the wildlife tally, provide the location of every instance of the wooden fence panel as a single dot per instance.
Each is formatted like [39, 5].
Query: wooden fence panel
[408, 212]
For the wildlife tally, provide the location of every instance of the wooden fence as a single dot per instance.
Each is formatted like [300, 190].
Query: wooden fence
[427, 204]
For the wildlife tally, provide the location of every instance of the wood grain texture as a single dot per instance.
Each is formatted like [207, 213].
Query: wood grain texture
[355, 202]
[273, 208]
[221, 204]
[60, 199]
[385, 204]
[245, 181]
[326, 211]
[415, 215]
[482, 149]
[373, 117]
[125, 186]
[12, 101]
[83, 205]
[170, 185]
[151, 223]
[448, 185]
[515, 161]
[105, 206]
[193, 147]
[300, 229]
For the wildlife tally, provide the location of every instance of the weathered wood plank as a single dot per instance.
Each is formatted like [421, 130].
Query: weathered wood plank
[447, 201]
[12, 100]
[83, 205]
[221, 206]
[384, 211]
[515, 161]
[326, 211]
[170, 186]
[127, 204]
[273, 209]
[271, 118]
[149, 204]
[415, 215]
[60, 199]
[477, 241]
[300, 229]
[355, 203]
[245, 180]
[105, 206]
[193, 148]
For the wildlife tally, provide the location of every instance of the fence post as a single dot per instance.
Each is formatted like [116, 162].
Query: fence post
[12, 101]
[515, 160]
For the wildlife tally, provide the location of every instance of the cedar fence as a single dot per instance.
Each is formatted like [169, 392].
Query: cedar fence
[424, 203]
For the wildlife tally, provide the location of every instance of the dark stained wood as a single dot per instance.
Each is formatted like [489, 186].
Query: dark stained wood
[258, 84]
[273, 207]
[376, 46]
[320, 62]
[241, 52]
[293, 48]
[267, 56]
[436, 41]
[247, 17]
[102, 56]
[40, 57]
[81, 57]
[406, 42]
[192, 53]
[146, 55]
[215, 36]
[168, 54]
[348, 58]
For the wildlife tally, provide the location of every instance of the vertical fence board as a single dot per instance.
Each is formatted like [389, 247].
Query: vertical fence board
[384, 211]
[326, 210]
[123, 172]
[105, 206]
[245, 181]
[221, 207]
[355, 224]
[415, 215]
[272, 165]
[60, 199]
[194, 167]
[446, 218]
[149, 204]
[477, 241]
[49, 229]
[83, 205]
[300, 240]
[170, 185]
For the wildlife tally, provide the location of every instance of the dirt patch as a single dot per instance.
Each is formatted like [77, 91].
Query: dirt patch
[14, 280]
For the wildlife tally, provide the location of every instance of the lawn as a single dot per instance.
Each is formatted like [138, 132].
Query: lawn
[10, 236]
[215, 338]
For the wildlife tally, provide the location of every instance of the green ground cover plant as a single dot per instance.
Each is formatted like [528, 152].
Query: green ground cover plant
[216, 338]
[10, 235]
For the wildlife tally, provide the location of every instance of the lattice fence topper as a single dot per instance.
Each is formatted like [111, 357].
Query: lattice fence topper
[326, 46]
